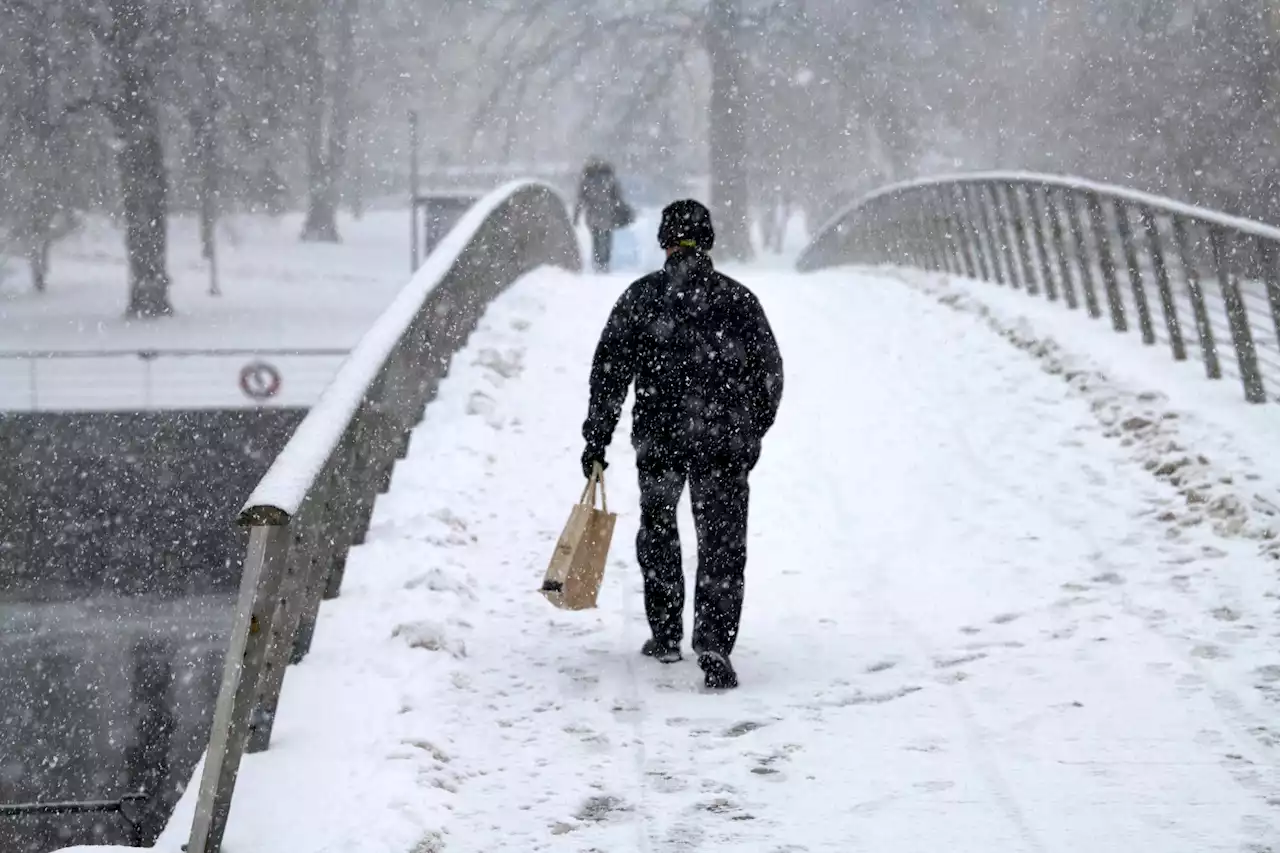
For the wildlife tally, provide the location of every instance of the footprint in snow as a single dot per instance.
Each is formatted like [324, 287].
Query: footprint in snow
[665, 783]
[959, 660]
[1209, 651]
[684, 836]
[430, 636]
[1269, 673]
[740, 729]
[601, 808]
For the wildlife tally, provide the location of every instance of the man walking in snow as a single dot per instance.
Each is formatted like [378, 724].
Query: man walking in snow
[600, 199]
[708, 379]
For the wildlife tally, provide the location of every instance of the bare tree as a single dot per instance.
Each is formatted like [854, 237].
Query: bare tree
[727, 143]
[34, 128]
[658, 39]
[329, 108]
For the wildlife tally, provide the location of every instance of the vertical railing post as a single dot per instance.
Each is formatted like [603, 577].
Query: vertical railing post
[932, 203]
[1121, 211]
[1267, 255]
[319, 569]
[1102, 242]
[960, 225]
[973, 214]
[909, 227]
[1167, 304]
[290, 602]
[341, 517]
[1060, 249]
[912, 225]
[1082, 255]
[1001, 217]
[933, 252]
[1238, 320]
[1204, 331]
[1035, 213]
[250, 634]
[1017, 213]
[984, 205]
[949, 239]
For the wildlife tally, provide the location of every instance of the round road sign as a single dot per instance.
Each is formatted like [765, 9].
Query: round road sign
[259, 380]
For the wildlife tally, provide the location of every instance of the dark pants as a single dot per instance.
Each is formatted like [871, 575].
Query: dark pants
[719, 498]
[601, 249]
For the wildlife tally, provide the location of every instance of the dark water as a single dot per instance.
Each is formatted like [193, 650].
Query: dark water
[100, 698]
[119, 563]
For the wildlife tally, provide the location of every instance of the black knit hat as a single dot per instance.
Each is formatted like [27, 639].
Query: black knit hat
[686, 223]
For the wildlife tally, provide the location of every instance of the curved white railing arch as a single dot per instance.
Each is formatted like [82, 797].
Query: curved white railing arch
[1141, 257]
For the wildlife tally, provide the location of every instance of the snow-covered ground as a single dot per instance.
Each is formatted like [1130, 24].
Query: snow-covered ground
[279, 296]
[977, 619]
[276, 290]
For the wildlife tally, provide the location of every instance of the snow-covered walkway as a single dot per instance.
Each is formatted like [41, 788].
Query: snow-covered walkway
[974, 622]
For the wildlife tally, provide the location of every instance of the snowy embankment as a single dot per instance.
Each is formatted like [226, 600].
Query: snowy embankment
[298, 306]
[975, 621]
[1194, 432]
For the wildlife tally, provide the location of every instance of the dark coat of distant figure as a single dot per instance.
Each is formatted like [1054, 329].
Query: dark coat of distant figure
[601, 202]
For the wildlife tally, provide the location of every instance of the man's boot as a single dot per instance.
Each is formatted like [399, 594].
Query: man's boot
[717, 672]
[664, 652]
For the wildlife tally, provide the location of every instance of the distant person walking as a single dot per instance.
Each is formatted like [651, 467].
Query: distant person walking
[600, 199]
[708, 379]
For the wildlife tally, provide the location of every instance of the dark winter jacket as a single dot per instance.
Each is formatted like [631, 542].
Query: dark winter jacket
[707, 369]
[600, 198]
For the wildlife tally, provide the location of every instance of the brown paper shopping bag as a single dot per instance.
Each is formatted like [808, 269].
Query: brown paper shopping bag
[577, 565]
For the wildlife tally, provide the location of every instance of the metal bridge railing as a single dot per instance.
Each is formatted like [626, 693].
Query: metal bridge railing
[1183, 277]
[315, 502]
[163, 378]
[123, 806]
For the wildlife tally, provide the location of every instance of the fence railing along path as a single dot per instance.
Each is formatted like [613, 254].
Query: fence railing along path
[1182, 277]
[164, 378]
[315, 501]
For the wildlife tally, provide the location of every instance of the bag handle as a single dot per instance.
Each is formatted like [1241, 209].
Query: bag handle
[596, 478]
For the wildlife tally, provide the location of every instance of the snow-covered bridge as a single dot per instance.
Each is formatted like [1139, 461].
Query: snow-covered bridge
[1011, 579]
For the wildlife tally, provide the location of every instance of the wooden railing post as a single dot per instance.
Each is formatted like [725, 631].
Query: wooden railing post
[250, 636]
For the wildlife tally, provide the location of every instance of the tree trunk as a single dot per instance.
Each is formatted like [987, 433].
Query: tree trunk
[143, 184]
[324, 165]
[727, 134]
[135, 116]
[321, 224]
[36, 225]
[38, 259]
[208, 153]
[204, 131]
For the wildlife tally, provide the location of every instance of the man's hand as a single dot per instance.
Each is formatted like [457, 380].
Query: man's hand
[590, 457]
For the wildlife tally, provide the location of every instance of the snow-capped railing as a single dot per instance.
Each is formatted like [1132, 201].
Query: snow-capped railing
[1067, 238]
[315, 501]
